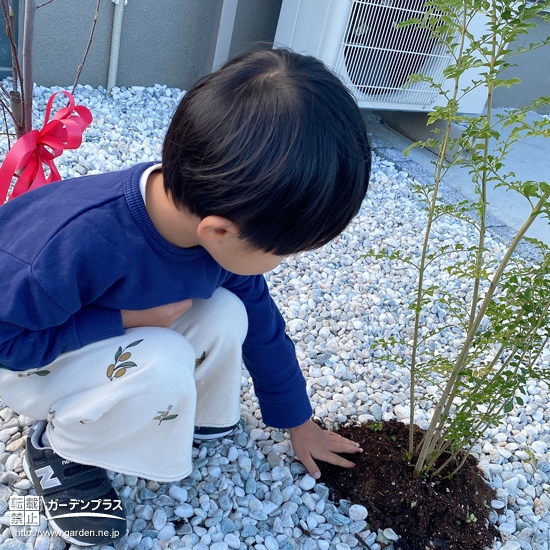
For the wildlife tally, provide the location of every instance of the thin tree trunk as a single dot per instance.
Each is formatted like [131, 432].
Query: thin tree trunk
[28, 79]
[15, 108]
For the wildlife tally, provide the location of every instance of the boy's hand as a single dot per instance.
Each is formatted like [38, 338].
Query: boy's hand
[161, 316]
[310, 442]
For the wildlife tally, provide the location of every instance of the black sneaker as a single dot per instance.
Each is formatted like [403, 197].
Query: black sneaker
[204, 433]
[79, 501]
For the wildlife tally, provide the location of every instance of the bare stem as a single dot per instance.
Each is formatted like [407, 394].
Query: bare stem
[13, 46]
[454, 455]
[428, 448]
[80, 67]
[4, 90]
[8, 16]
[28, 81]
[437, 178]
[6, 124]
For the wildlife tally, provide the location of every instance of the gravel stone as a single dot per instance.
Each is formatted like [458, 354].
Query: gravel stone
[307, 483]
[178, 493]
[227, 526]
[232, 540]
[159, 519]
[390, 534]
[357, 512]
[184, 511]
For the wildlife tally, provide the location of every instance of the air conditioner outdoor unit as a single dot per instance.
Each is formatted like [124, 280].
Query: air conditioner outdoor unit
[359, 40]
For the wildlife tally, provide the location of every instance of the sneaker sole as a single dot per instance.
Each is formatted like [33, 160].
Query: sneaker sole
[51, 521]
[208, 437]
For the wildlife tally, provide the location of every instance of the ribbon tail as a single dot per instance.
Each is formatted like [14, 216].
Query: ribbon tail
[30, 174]
[54, 173]
[17, 157]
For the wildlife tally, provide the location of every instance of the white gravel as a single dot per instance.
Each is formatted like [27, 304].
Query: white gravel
[247, 491]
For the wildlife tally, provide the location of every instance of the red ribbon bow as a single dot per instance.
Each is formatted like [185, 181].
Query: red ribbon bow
[38, 147]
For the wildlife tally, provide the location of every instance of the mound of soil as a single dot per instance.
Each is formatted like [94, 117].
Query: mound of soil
[446, 514]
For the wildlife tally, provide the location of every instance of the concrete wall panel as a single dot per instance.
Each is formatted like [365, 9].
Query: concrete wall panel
[165, 41]
[532, 69]
[255, 23]
[62, 29]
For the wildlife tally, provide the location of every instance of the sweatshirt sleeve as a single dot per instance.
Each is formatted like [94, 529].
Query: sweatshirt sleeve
[270, 356]
[35, 328]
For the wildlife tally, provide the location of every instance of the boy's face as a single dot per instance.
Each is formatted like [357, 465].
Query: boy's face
[220, 237]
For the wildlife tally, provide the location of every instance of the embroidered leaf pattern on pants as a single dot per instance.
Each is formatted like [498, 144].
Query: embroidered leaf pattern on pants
[200, 360]
[164, 415]
[121, 364]
[40, 372]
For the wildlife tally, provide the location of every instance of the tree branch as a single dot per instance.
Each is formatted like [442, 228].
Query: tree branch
[8, 16]
[28, 81]
[80, 67]
[6, 125]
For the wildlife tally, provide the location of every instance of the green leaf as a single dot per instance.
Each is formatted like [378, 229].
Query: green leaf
[507, 82]
[42, 372]
[134, 344]
[170, 417]
[201, 358]
[126, 365]
[118, 354]
[508, 407]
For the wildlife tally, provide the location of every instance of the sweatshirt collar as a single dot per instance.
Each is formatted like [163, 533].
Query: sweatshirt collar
[144, 223]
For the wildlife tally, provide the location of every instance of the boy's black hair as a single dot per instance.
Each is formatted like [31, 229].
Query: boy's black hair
[274, 143]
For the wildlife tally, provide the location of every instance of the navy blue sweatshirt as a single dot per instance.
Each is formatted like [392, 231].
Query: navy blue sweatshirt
[74, 253]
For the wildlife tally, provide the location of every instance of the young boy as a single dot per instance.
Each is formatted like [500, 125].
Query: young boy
[129, 299]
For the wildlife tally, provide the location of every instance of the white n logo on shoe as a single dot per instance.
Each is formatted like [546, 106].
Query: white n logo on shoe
[47, 481]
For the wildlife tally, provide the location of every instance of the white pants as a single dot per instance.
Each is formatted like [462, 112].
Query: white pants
[130, 403]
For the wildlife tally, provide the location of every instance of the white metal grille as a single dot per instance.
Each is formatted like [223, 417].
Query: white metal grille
[376, 59]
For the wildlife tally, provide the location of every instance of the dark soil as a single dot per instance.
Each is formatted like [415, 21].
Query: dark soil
[424, 513]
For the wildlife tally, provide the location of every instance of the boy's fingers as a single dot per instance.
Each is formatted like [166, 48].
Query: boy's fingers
[311, 467]
[343, 445]
[337, 460]
[346, 448]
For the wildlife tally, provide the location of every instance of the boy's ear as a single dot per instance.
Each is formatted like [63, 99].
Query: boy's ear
[215, 228]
